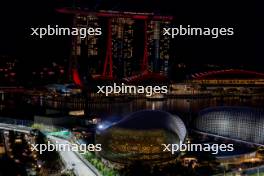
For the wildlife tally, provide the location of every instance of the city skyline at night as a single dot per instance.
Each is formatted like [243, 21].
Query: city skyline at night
[198, 53]
[131, 88]
[191, 50]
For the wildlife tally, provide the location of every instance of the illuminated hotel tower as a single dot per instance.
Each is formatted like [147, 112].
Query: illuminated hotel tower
[123, 45]
[131, 43]
[89, 51]
[86, 51]
[159, 46]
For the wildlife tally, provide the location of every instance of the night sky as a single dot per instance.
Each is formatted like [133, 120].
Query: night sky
[247, 19]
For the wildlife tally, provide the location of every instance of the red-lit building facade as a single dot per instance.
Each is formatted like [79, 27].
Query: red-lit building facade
[130, 44]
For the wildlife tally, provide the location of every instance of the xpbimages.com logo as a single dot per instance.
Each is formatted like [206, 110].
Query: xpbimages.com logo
[205, 147]
[82, 148]
[188, 30]
[131, 89]
[55, 30]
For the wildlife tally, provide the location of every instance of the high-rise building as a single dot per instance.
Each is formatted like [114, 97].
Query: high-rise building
[86, 50]
[130, 43]
[123, 45]
[159, 46]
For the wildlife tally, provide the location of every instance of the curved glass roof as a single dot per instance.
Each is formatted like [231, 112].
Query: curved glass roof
[153, 119]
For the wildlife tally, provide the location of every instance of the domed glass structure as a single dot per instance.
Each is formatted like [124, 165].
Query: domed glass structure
[235, 122]
[140, 136]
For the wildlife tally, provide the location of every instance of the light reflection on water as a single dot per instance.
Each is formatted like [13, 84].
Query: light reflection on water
[180, 106]
[173, 105]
